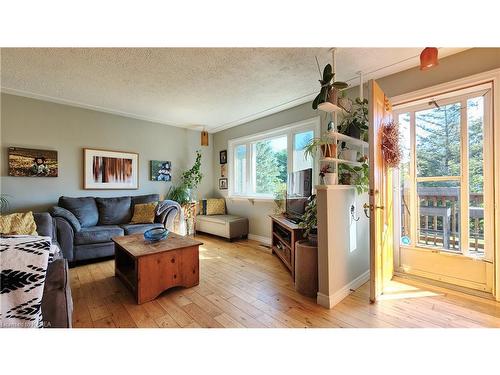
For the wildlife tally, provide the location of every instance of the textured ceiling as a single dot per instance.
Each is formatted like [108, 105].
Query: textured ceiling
[214, 88]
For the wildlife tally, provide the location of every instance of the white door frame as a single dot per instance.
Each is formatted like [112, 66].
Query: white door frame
[493, 77]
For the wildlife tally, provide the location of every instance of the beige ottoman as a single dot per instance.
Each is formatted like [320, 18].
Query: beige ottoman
[228, 226]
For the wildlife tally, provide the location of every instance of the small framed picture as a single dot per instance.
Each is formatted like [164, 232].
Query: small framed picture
[222, 183]
[223, 156]
[223, 170]
[161, 170]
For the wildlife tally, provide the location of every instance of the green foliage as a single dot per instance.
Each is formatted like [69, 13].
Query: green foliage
[312, 147]
[358, 176]
[270, 169]
[280, 198]
[357, 117]
[4, 202]
[327, 84]
[180, 194]
[309, 220]
[192, 177]
[282, 157]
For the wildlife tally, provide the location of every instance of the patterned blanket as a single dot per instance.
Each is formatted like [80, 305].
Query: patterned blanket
[23, 265]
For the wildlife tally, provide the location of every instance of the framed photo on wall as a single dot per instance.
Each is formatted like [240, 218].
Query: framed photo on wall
[161, 170]
[223, 157]
[222, 183]
[30, 162]
[103, 169]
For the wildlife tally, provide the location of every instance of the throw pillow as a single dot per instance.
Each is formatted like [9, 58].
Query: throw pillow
[114, 211]
[144, 213]
[18, 223]
[84, 208]
[216, 207]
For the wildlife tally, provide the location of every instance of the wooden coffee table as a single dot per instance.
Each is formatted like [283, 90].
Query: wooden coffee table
[149, 268]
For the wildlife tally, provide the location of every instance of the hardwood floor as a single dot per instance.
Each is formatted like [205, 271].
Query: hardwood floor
[242, 285]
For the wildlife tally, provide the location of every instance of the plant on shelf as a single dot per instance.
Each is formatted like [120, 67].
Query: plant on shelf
[324, 143]
[355, 122]
[328, 175]
[358, 176]
[329, 88]
[309, 221]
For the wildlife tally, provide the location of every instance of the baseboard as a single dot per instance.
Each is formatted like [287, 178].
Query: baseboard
[264, 240]
[329, 301]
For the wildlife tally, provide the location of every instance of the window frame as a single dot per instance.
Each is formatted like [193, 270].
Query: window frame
[453, 96]
[289, 130]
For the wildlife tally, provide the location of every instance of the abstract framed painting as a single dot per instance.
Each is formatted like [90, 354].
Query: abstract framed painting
[29, 162]
[110, 170]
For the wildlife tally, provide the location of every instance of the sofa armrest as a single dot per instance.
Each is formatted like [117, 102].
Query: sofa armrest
[65, 237]
[57, 211]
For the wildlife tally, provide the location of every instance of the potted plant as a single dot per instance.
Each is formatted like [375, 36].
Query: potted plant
[324, 143]
[328, 176]
[355, 122]
[347, 153]
[329, 88]
[280, 199]
[309, 222]
[357, 175]
[192, 177]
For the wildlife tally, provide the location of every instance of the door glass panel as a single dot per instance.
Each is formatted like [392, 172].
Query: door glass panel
[438, 141]
[439, 213]
[475, 123]
[404, 177]
[300, 140]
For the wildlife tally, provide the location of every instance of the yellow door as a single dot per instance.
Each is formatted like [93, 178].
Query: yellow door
[381, 223]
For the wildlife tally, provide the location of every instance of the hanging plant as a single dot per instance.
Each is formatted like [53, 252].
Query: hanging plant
[329, 88]
[391, 150]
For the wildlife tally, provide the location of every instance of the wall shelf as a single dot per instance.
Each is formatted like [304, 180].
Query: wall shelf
[337, 160]
[349, 140]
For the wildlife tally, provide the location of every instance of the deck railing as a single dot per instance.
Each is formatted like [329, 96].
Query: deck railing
[439, 218]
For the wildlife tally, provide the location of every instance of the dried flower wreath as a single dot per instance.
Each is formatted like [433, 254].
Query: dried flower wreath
[390, 144]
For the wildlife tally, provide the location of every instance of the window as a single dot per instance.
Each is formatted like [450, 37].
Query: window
[259, 164]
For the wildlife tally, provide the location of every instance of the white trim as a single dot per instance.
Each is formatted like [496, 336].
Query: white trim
[329, 301]
[314, 123]
[261, 239]
[428, 92]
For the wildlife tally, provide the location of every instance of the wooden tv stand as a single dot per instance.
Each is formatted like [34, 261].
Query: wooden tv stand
[284, 236]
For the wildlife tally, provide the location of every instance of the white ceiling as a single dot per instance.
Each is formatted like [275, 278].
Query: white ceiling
[215, 88]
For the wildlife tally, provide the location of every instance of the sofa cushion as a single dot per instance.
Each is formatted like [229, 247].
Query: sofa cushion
[114, 210]
[83, 208]
[219, 219]
[141, 199]
[97, 234]
[139, 228]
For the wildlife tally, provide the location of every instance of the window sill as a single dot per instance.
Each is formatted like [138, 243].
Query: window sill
[250, 198]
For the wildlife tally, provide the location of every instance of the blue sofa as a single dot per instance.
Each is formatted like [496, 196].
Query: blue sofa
[85, 225]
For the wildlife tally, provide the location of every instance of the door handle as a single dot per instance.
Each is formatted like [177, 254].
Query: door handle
[370, 207]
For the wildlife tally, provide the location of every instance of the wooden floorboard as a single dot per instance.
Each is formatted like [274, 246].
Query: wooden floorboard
[242, 285]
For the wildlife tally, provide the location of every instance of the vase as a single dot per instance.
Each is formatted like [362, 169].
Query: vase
[330, 178]
[329, 150]
[350, 155]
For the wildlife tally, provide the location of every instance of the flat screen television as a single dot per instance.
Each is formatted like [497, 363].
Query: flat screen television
[298, 191]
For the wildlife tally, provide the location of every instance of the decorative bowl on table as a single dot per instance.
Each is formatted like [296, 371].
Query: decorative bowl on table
[156, 234]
